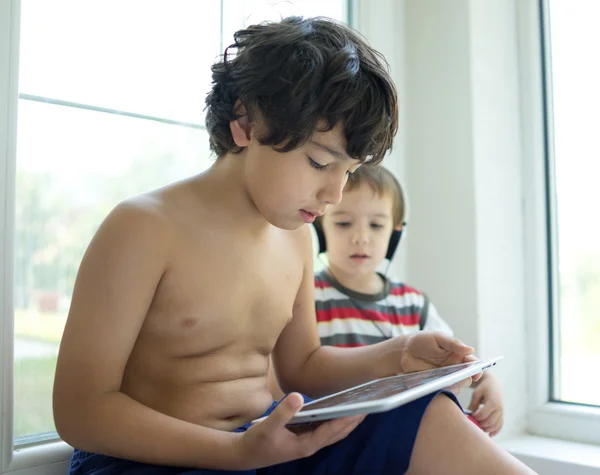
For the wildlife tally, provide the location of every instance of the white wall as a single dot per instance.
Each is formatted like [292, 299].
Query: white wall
[381, 22]
[459, 155]
[464, 177]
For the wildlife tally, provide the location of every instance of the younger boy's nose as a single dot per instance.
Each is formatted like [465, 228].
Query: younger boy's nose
[360, 237]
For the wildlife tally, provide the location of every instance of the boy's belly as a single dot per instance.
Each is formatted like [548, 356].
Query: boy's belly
[189, 389]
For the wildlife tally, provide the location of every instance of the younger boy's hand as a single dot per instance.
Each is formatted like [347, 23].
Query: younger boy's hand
[269, 442]
[487, 405]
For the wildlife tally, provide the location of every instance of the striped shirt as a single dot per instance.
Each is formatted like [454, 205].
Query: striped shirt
[347, 318]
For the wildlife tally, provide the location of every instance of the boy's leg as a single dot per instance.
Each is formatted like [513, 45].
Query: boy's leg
[428, 436]
[448, 443]
[84, 463]
[381, 444]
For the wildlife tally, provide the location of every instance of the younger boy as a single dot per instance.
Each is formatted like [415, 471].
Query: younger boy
[185, 292]
[355, 304]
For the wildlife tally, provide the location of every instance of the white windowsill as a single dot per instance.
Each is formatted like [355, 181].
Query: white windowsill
[553, 456]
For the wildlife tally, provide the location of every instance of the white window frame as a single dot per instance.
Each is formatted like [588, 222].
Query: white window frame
[547, 418]
[46, 457]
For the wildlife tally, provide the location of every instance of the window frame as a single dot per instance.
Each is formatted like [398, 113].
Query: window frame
[9, 58]
[546, 416]
[48, 457]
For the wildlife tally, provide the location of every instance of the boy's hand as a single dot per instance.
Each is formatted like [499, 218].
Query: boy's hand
[487, 405]
[270, 442]
[427, 350]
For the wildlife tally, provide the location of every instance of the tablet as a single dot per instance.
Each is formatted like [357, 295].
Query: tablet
[385, 394]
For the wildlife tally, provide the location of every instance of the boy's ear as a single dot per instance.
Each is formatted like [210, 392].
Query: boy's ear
[241, 127]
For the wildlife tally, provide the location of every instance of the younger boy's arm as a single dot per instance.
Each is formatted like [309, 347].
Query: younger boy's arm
[114, 289]
[303, 365]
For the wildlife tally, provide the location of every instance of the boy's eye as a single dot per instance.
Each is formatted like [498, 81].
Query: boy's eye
[316, 165]
[343, 224]
[376, 226]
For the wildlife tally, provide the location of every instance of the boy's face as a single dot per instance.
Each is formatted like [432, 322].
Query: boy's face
[357, 231]
[291, 189]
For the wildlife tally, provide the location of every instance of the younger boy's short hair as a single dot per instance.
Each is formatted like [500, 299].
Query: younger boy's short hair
[301, 75]
[383, 183]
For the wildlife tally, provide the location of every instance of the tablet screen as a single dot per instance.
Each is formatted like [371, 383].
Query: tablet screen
[383, 388]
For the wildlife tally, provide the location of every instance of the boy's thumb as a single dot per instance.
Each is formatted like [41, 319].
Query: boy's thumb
[286, 409]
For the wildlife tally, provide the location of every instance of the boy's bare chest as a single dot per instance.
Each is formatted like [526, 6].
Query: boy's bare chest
[213, 298]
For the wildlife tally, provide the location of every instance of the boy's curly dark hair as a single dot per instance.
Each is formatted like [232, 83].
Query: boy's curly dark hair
[299, 74]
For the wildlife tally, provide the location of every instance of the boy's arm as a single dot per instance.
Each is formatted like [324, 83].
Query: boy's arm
[114, 289]
[303, 365]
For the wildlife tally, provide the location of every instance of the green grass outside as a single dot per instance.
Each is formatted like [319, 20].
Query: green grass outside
[34, 325]
[33, 383]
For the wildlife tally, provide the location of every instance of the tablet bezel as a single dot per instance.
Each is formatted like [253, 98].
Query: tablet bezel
[389, 402]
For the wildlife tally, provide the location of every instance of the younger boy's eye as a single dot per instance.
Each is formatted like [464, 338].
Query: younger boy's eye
[376, 226]
[351, 172]
[316, 165]
[343, 224]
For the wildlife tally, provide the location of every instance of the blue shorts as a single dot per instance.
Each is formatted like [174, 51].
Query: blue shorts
[381, 444]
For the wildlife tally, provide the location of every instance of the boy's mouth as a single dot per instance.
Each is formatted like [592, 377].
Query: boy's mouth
[359, 257]
[307, 216]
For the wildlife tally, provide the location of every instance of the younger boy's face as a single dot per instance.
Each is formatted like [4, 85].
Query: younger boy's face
[291, 189]
[357, 231]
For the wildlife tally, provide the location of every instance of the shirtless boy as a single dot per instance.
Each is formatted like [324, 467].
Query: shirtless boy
[185, 292]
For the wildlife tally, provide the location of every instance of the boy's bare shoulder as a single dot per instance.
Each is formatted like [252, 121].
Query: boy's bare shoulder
[156, 209]
[142, 223]
[142, 213]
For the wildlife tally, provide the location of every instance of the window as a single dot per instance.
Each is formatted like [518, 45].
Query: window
[574, 162]
[564, 235]
[110, 104]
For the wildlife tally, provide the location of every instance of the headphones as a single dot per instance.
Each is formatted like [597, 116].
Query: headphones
[392, 246]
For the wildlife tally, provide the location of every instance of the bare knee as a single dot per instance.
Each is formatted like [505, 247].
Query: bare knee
[449, 443]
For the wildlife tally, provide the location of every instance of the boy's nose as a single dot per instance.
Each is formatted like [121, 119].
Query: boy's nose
[332, 192]
[360, 237]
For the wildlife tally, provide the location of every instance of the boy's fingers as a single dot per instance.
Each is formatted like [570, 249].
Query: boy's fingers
[347, 430]
[483, 412]
[475, 401]
[492, 421]
[338, 430]
[458, 347]
[284, 411]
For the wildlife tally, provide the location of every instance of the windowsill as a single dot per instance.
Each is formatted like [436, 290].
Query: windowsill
[554, 456]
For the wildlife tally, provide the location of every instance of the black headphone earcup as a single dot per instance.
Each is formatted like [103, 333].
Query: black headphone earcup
[393, 245]
[320, 238]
